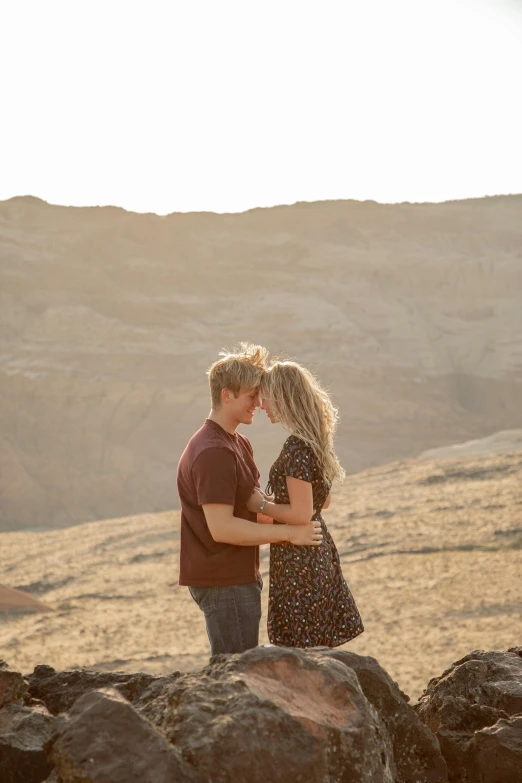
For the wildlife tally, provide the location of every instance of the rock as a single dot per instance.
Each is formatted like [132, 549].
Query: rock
[12, 685]
[104, 740]
[59, 690]
[17, 602]
[469, 709]
[497, 752]
[278, 715]
[23, 733]
[416, 751]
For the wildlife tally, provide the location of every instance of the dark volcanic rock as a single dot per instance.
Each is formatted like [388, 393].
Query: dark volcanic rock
[12, 685]
[498, 752]
[416, 752]
[278, 715]
[23, 734]
[104, 740]
[469, 708]
[59, 690]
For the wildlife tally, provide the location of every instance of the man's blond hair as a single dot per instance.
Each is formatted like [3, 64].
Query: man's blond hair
[238, 371]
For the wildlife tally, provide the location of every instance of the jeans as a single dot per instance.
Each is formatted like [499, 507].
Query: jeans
[232, 615]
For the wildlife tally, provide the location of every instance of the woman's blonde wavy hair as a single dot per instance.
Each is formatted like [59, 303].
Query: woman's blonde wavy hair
[304, 408]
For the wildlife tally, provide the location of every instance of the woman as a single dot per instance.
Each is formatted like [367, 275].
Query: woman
[309, 603]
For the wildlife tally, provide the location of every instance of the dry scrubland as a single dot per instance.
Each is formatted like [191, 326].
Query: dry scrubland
[108, 320]
[430, 547]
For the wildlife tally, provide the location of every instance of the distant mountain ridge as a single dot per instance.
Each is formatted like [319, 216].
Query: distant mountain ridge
[410, 313]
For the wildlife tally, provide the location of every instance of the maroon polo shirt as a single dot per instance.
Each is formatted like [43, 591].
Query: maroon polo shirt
[216, 467]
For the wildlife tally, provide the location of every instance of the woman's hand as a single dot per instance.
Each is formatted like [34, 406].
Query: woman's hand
[306, 535]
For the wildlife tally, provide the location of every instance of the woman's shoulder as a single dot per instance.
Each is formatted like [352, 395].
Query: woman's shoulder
[295, 443]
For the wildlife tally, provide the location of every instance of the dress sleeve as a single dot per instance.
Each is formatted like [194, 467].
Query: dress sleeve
[298, 460]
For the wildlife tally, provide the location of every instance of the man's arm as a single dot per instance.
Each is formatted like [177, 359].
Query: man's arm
[225, 528]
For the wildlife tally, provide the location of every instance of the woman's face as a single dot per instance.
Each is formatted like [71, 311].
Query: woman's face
[265, 404]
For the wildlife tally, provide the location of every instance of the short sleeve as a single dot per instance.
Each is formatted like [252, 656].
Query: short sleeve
[298, 460]
[248, 445]
[215, 476]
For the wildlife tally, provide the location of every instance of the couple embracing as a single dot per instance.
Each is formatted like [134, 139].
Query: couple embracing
[222, 506]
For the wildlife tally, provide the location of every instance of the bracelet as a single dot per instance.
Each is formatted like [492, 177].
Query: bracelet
[261, 507]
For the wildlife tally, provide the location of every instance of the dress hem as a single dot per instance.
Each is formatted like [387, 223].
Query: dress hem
[311, 646]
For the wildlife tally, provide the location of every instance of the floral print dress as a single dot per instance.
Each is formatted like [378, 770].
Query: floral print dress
[309, 604]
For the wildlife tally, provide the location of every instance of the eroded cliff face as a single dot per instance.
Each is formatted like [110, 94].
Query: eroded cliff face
[410, 313]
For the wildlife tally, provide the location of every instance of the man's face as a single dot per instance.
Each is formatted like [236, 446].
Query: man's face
[243, 407]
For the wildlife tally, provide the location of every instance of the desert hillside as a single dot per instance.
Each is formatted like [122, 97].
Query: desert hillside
[430, 548]
[410, 313]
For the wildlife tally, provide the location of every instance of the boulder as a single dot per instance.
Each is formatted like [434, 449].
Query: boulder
[104, 740]
[12, 685]
[498, 752]
[416, 752]
[59, 690]
[278, 715]
[24, 732]
[469, 708]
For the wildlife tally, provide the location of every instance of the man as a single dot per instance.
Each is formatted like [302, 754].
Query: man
[219, 545]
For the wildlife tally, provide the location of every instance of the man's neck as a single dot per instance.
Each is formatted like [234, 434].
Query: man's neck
[220, 417]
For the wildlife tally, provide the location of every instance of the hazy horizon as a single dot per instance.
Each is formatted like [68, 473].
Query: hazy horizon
[252, 209]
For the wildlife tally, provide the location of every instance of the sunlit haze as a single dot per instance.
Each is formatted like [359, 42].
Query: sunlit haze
[224, 106]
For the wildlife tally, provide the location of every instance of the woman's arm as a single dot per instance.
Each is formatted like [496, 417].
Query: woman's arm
[326, 503]
[298, 512]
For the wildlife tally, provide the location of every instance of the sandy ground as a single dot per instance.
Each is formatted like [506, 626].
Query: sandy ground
[431, 550]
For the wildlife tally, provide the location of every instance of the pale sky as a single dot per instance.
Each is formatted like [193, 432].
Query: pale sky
[225, 105]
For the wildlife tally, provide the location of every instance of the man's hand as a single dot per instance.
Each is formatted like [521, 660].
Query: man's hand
[306, 535]
[254, 501]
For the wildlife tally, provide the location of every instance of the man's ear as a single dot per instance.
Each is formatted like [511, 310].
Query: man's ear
[225, 395]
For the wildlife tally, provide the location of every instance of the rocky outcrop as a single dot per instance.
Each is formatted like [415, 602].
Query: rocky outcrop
[497, 751]
[475, 710]
[270, 714]
[24, 730]
[104, 740]
[301, 715]
[12, 685]
[416, 752]
[59, 690]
